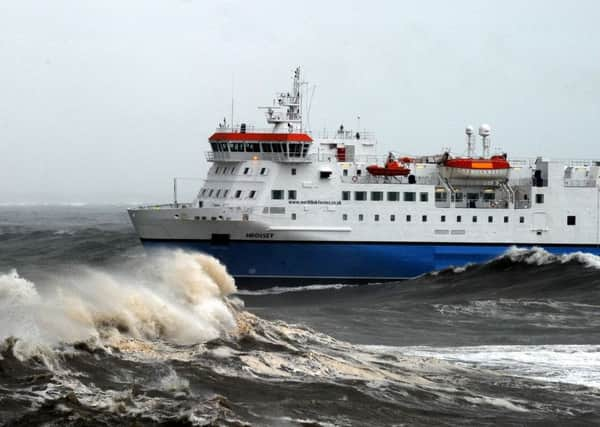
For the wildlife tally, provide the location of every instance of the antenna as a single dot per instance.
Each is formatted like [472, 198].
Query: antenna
[232, 103]
[469, 132]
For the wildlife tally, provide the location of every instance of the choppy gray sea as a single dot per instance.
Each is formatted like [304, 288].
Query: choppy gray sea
[95, 332]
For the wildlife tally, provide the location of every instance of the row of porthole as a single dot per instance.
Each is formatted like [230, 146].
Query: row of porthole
[424, 218]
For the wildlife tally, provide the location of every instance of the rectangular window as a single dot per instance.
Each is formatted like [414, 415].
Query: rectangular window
[263, 171]
[277, 194]
[217, 194]
[293, 171]
[361, 217]
[266, 147]
[293, 217]
[474, 219]
[376, 217]
[345, 173]
[217, 171]
[441, 196]
[225, 193]
[252, 194]
[459, 197]
[522, 219]
[392, 218]
[506, 220]
[490, 219]
[360, 196]
[393, 196]
[571, 220]
[345, 217]
[459, 218]
[204, 191]
[376, 196]
[424, 218]
[488, 197]
[443, 218]
[539, 198]
[408, 218]
[232, 171]
[246, 171]
[225, 170]
[345, 195]
[291, 194]
[410, 196]
[358, 172]
[238, 194]
[210, 193]
[424, 197]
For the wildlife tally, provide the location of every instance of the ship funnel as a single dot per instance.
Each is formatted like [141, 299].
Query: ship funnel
[484, 132]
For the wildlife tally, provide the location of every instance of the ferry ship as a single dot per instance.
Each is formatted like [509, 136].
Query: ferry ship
[279, 205]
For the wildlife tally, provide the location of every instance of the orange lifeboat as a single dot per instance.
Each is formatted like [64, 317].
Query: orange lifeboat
[496, 167]
[391, 168]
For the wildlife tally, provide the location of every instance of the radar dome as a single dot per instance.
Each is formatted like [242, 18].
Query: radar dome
[485, 130]
[469, 130]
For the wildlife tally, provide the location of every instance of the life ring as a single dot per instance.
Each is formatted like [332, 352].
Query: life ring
[493, 204]
[354, 178]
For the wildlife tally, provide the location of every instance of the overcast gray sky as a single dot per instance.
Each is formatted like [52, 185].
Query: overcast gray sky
[104, 101]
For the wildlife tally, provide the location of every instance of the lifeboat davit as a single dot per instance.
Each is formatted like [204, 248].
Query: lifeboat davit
[496, 167]
[391, 168]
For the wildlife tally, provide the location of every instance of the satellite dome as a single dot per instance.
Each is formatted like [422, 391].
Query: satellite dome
[485, 130]
[469, 130]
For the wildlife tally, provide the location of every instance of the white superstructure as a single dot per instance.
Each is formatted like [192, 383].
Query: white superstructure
[280, 185]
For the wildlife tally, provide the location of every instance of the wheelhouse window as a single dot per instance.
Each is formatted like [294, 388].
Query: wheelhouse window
[539, 198]
[376, 217]
[217, 194]
[291, 194]
[393, 196]
[443, 218]
[459, 218]
[277, 194]
[263, 171]
[210, 193]
[376, 196]
[506, 220]
[571, 220]
[293, 171]
[522, 220]
[293, 217]
[408, 218]
[252, 194]
[474, 219]
[344, 217]
[246, 171]
[392, 218]
[490, 219]
[424, 218]
[424, 197]
[252, 147]
[345, 195]
[225, 193]
[410, 196]
[238, 194]
[266, 147]
[360, 196]
[361, 217]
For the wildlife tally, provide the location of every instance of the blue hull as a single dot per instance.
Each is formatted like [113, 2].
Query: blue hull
[328, 261]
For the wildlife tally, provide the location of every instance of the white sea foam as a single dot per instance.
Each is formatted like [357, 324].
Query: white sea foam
[539, 256]
[573, 364]
[282, 290]
[177, 297]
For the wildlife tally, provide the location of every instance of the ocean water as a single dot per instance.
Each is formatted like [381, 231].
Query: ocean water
[95, 332]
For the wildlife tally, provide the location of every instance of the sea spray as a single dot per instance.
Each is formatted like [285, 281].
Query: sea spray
[176, 297]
